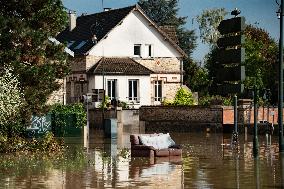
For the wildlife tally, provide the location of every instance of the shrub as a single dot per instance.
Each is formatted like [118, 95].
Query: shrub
[61, 112]
[105, 103]
[215, 100]
[183, 97]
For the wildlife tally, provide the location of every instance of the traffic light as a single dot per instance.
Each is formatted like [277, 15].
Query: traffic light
[230, 56]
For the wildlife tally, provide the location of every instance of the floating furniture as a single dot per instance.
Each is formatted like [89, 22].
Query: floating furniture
[153, 145]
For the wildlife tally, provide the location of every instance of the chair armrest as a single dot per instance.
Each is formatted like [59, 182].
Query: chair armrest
[142, 147]
[177, 146]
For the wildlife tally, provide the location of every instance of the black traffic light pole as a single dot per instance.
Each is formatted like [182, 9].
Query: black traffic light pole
[280, 83]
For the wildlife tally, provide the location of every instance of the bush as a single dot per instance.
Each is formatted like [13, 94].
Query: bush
[183, 97]
[106, 103]
[61, 113]
[215, 100]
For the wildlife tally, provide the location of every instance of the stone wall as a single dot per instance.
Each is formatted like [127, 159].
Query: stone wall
[171, 90]
[181, 118]
[161, 65]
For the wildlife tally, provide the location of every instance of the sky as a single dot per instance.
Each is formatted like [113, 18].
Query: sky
[261, 13]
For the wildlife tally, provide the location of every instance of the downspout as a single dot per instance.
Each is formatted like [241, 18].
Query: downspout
[181, 72]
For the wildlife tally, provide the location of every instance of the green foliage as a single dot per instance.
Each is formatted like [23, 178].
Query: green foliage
[61, 113]
[208, 21]
[123, 104]
[167, 102]
[25, 28]
[196, 78]
[183, 97]
[215, 100]
[105, 102]
[260, 61]
[10, 96]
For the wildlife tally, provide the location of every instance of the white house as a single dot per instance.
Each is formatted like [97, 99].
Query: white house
[123, 53]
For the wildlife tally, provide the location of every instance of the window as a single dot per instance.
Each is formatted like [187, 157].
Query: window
[137, 50]
[81, 44]
[98, 95]
[148, 50]
[158, 90]
[133, 90]
[111, 88]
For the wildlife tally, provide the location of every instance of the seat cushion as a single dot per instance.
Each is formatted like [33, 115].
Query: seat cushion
[162, 153]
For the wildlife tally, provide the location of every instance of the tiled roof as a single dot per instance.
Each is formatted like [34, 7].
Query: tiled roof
[87, 26]
[119, 66]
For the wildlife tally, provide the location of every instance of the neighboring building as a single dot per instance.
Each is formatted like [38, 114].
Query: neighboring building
[124, 53]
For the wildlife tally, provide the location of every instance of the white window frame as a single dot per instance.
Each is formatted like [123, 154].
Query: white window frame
[140, 49]
[133, 98]
[158, 97]
[149, 50]
[110, 93]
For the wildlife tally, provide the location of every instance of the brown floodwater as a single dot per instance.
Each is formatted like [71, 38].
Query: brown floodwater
[208, 161]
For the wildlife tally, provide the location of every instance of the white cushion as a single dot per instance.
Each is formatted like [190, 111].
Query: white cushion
[170, 141]
[148, 141]
[161, 141]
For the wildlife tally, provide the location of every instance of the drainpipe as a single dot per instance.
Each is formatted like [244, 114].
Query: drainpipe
[181, 72]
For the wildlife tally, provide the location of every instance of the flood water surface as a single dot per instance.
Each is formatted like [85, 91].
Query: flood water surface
[208, 161]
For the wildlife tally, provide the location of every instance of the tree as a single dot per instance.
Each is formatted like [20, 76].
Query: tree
[10, 96]
[25, 28]
[261, 60]
[196, 78]
[209, 21]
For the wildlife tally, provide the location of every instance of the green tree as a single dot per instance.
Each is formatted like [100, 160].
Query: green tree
[208, 21]
[260, 60]
[25, 29]
[196, 78]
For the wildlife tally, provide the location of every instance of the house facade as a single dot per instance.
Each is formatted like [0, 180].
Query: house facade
[123, 54]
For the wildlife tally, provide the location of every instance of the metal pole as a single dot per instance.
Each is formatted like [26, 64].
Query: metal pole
[236, 114]
[255, 138]
[280, 85]
[87, 116]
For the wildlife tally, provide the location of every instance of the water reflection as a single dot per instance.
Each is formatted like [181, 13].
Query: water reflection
[208, 161]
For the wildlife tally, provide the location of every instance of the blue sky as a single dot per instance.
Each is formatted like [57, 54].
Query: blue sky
[258, 12]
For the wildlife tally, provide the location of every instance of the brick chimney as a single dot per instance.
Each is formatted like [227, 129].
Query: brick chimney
[72, 20]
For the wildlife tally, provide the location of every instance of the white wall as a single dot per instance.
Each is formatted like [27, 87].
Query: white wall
[135, 29]
[96, 82]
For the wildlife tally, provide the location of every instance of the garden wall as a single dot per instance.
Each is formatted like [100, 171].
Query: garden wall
[181, 118]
